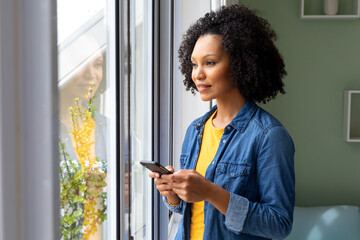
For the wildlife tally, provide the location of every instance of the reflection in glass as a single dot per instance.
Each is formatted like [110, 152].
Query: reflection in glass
[83, 150]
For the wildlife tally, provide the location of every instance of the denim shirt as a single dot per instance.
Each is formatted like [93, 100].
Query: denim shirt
[255, 163]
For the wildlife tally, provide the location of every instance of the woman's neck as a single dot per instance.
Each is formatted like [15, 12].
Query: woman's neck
[227, 109]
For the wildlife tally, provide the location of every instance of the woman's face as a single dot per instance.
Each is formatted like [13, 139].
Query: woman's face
[211, 68]
[91, 73]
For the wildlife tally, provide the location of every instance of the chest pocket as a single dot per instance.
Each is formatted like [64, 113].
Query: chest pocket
[233, 177]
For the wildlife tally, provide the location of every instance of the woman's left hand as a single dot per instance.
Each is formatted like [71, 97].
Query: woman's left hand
[190, 185]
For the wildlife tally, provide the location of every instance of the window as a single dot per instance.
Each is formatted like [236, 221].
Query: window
[87, 117]
[110, 69]
[90, 177]
[151, 25]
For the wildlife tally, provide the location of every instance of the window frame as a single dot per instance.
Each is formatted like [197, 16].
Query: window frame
[163, 103]
[123, 109]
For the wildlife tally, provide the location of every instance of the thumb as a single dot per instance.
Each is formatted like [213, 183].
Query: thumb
[170, 168]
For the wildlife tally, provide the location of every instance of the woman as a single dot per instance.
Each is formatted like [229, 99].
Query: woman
[237, 163]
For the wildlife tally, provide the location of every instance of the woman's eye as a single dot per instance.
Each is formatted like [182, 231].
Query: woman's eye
[193, 64]
[210, 63]
[98, 64]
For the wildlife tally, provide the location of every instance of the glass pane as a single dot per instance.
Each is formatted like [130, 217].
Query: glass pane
[141, 118]
[86, 114]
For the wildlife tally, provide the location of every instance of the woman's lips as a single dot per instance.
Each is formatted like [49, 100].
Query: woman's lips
[203, 87]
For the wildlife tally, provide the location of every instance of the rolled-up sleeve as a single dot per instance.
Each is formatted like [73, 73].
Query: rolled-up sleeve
[271, 215]
[176, 209]
[236, 213]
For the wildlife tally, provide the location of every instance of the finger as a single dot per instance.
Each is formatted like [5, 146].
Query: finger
[167, 177]
[167, 194]
[179, 185]
[163, 187]
[154, 175]
[179, 191]
[183, 197]
[161, 180]
[186, 172]
[179, 177]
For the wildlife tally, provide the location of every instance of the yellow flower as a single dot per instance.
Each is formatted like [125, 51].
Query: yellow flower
[83, 133]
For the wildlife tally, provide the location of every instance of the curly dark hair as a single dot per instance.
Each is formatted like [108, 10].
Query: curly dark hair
[256, 66]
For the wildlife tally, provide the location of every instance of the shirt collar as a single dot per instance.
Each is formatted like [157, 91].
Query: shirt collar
[240, 121]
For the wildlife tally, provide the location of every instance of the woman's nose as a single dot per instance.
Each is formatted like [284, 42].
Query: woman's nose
[199, 74]
[89, 73]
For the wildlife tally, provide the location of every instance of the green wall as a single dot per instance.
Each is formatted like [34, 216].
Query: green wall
[322, 59]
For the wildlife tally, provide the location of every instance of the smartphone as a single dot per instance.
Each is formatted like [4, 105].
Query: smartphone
[155, 167]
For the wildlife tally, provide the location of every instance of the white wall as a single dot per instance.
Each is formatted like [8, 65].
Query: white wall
[187, 107]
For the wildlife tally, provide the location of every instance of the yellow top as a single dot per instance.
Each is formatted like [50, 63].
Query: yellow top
[210, 143]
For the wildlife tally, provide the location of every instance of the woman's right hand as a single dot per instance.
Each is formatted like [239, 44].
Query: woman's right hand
[164, 188]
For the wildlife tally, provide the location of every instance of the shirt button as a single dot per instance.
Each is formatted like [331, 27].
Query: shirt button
[224, 141]
[232, 174]
[200, 135]
[228, 127]
[198, 124]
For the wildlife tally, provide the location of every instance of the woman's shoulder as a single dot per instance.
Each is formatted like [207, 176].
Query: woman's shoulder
[270, 126]
[265, 120]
